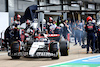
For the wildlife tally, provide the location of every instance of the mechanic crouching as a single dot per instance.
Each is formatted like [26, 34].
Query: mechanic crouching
[16, 28]
[90, 29]
[12, 32]
[29, 29]
[27, 24]
[15, 32]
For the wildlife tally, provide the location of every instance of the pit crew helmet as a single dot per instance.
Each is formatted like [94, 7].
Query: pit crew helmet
[18, 16]
[28, 21]
[89, 18]
[61, 25]
[50, 19]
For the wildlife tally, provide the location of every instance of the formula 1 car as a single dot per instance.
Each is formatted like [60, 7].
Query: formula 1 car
[40, 45]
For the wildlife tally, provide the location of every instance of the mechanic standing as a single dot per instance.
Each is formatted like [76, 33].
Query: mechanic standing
[76, 32]
[70, 29]
[90, 29]
[29, 29]
[12, 31]
[65, 29]
[48, 24]
[73, 29]
[70, 25]
[83, 33]
[61, 30]
[52, 27]
[80, 29]
[98, 35]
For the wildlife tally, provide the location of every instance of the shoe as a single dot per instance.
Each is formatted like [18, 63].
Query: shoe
[87, 52]
[92, 52]
[78, 40]
[75, 44]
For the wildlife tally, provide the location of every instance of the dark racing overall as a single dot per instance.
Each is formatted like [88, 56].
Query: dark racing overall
[98, 36]
[90, 29]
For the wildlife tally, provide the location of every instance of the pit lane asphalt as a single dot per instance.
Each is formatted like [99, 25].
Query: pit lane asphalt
[75, 52]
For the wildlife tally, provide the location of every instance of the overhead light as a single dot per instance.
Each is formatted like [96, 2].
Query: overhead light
[46, 11]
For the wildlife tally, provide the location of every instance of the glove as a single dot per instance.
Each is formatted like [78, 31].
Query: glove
[96, 34]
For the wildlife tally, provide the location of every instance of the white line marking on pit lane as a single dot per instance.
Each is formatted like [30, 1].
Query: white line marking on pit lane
[1, 54]
[67, 61]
